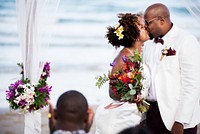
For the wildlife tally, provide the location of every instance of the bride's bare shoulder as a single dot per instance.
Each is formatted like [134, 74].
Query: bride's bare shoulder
[118, 60]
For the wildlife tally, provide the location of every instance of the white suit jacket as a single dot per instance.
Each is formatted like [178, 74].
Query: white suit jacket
[177, 79]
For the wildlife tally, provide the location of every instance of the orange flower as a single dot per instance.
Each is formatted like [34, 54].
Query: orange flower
[124, 78]
[125, 66]
[131, 75]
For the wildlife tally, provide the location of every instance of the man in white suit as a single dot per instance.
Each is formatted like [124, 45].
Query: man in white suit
[174, 63]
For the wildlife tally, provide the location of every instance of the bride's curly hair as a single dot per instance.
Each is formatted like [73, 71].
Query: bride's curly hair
[131, 31]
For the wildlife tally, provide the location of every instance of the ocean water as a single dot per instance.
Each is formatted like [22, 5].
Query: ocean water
[78, 50]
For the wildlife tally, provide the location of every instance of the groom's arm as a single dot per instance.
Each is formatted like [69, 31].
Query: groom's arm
[190, 71]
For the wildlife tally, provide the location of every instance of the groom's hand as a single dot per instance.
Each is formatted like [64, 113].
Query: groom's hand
[177, 128]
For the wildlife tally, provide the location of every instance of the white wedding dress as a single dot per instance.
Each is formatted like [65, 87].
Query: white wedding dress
[114, 120]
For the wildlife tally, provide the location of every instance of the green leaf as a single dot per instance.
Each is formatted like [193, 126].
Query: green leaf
[130, 86]
[101, 80]
[132, 92]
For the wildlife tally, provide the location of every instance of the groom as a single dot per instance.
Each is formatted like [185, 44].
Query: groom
[174, 63]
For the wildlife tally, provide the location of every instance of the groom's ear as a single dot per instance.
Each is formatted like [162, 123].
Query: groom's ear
[161, 19]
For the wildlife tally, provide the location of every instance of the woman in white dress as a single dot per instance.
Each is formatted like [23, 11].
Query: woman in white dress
[113, 116]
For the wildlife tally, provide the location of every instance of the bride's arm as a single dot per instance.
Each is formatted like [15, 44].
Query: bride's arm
[118, 66]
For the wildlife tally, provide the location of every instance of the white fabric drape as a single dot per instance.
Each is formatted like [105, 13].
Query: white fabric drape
[34, 16]
[193, 6]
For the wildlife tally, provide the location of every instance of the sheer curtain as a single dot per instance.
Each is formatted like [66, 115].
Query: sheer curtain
[193, 6]
[34, 16]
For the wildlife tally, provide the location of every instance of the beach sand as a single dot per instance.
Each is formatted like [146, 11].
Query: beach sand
[13, 122]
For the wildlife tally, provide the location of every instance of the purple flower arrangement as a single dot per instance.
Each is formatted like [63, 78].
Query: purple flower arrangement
[27, 96]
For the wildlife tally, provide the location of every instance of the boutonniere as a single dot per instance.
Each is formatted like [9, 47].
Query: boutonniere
[167, 52]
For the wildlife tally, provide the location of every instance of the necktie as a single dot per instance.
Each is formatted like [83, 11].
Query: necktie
[159, 40]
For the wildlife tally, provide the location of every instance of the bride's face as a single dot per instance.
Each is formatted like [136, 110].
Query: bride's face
[144, 36]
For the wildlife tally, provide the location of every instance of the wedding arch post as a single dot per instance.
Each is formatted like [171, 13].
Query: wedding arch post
[33, 16]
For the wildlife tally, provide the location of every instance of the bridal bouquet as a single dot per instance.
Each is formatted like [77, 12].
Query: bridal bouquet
[27, 96]
[127, 82]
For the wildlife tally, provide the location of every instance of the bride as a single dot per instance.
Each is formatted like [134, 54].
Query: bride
[113, 116]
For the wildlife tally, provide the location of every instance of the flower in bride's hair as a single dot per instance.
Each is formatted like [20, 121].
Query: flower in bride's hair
[118, 31]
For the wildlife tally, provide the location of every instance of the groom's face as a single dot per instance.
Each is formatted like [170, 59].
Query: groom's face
[152, 23]
[150, 35]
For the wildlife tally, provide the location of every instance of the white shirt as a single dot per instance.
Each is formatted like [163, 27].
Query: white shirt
[154, 60]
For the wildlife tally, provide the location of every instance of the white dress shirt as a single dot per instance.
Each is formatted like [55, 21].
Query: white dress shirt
[154, 60]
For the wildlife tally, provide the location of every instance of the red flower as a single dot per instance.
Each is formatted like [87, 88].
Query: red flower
[124, 78]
